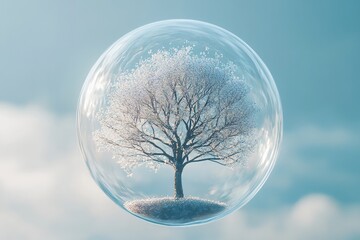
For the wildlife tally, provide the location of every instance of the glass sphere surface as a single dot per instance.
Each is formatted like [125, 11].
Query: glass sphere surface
[179, 122]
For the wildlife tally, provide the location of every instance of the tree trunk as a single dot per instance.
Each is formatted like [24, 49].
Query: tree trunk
[178, 184]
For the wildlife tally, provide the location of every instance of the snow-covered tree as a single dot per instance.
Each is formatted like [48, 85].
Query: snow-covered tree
[177, 108]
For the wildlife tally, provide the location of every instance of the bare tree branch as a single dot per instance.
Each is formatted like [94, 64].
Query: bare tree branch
[176, 108]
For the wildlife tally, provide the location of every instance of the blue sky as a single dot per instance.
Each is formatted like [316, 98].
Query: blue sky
[312, 50]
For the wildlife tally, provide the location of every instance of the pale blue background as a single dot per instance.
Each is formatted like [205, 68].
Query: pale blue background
[312, 49]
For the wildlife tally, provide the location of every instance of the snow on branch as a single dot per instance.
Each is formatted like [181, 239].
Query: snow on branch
[177, 108]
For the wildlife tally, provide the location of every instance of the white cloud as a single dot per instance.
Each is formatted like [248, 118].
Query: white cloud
[315, 216]
[46, 192]
[321, 157]
[319, 216]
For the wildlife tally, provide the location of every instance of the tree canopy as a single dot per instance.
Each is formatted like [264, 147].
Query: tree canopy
[176, 108]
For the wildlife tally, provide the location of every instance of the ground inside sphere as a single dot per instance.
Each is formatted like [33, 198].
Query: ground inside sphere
[182, 210]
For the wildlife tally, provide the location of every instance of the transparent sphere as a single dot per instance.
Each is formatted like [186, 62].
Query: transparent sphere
[179, 122]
